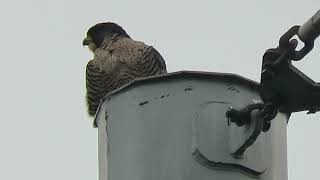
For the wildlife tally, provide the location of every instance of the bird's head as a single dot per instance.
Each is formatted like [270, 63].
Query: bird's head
[97, 34]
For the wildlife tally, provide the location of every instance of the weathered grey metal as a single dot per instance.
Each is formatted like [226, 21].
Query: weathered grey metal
[310, 30]
[174, 127]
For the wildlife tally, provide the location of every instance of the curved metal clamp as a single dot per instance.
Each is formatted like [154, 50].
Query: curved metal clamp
[259, 121]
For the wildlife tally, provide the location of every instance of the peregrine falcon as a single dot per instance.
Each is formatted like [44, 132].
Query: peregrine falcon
[118, 59]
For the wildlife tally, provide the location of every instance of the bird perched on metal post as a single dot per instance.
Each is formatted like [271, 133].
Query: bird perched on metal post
[118, 59]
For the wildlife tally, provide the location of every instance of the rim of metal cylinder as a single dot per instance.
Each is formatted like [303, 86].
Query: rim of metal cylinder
[185, 74]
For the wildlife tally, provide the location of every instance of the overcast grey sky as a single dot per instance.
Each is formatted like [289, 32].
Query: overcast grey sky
[45, 132]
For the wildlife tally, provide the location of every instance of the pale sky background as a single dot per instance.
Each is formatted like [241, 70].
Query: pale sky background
[45, 133]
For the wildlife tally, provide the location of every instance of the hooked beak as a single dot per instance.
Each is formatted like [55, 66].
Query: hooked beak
[87, 41]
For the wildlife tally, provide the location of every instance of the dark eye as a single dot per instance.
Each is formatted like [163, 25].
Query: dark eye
[98, 38]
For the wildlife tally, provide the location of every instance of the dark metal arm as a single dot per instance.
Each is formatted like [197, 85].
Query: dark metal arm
[282, 86]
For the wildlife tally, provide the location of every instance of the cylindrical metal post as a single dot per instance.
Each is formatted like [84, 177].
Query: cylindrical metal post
[310, 30]
[174, 127]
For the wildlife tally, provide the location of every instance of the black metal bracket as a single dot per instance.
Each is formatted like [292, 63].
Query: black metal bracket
[282, 86]
[244, 117]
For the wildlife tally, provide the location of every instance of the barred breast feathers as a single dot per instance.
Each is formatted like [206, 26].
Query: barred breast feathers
[118, 63]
